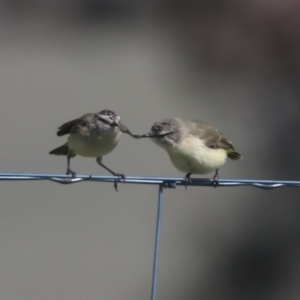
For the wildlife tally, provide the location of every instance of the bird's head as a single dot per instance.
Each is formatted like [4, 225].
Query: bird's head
[109, 117]
[165, 131]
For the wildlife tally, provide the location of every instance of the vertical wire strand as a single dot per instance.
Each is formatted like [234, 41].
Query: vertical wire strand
[157, 242]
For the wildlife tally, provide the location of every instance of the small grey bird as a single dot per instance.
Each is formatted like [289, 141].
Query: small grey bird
[92, 135]
[194, 147]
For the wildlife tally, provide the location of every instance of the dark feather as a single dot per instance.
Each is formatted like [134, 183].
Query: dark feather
[69, 126]
[233, 155]
[62, 150]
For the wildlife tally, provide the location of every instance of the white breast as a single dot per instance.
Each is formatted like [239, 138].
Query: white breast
[94, 145]
[192, 156]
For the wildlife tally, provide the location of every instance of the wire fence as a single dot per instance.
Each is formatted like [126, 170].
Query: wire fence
[162, 182]
[167, 182]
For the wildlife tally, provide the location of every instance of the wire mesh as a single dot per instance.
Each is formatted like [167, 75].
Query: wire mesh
[162, 182]
[167, 182]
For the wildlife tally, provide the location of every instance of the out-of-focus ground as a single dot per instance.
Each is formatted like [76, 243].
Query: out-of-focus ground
[235, 64]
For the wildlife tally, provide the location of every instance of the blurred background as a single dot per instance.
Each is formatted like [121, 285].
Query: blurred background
[234, 64]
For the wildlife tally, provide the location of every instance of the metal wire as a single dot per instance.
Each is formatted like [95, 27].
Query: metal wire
[157, 242]
[167, 182]
[162, 182]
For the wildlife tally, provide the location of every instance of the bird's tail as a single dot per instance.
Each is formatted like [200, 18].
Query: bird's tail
[232, 154]
[62, 150]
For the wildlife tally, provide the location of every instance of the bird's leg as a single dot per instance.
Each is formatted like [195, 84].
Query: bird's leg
[216, 178]
[69, 171]
[121, 176]
[187, 179]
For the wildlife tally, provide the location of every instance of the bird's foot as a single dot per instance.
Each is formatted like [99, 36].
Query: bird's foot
[187, 179]
[120, 177]
[215, 181]
[70, 172]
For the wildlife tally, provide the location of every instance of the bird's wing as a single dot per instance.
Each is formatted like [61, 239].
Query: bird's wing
[212, 138]
[68, 127]
[209, 135]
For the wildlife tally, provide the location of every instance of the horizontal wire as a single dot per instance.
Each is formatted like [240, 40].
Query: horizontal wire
[167, 182]
[163, 182]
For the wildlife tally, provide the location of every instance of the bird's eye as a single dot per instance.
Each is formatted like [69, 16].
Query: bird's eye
[156, 128]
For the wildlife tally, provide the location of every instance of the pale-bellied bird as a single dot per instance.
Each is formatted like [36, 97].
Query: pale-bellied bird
[194, 147]
[92, 135]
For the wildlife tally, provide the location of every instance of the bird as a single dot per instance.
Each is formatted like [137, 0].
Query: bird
[194, 147]
[92, 135]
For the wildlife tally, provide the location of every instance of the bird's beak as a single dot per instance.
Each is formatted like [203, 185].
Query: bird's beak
[151, 135]
[114, 124]
[147, 135]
